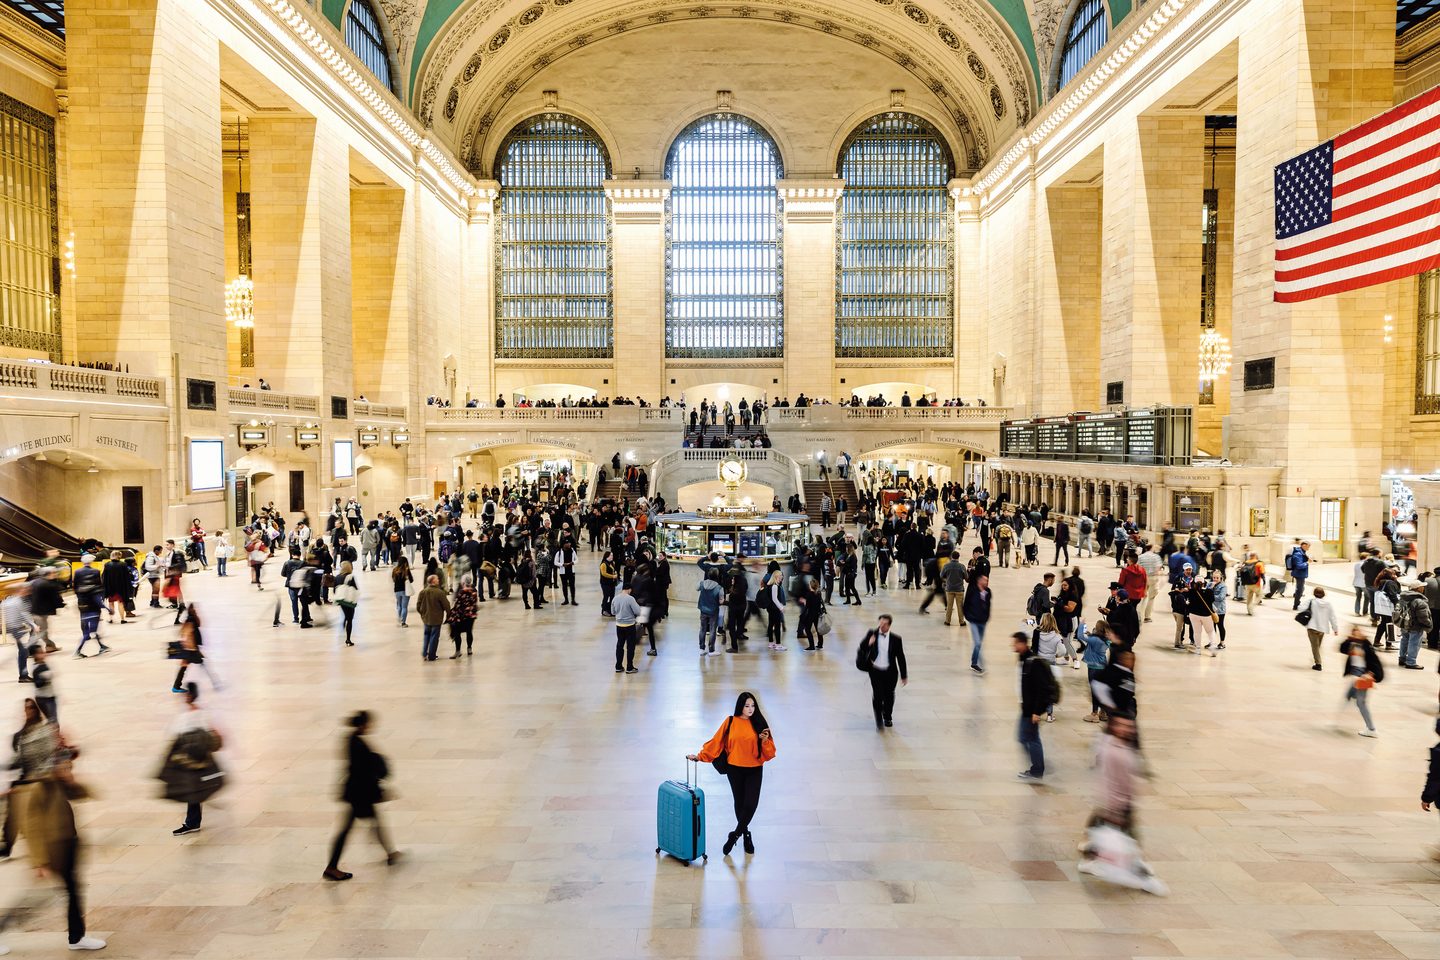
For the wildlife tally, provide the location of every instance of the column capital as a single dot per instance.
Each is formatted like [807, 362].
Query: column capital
[966, 199]
[481, 203]
[810, 201]
[637, 201]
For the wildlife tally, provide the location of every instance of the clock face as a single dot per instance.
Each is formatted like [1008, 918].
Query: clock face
[732, 471]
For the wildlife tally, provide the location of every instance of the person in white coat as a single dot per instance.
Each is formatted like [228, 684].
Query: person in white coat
[1322, 621]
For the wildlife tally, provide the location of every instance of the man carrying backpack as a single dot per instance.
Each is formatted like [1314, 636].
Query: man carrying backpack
[1297, 564]
[1087, 527]
[1252, 575]
[1412, 618]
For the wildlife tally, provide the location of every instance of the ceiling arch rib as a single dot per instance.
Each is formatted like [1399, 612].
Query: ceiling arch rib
[495, 47]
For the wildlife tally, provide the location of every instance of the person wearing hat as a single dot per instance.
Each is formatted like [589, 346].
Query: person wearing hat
[1180, 600]
[1122, 614]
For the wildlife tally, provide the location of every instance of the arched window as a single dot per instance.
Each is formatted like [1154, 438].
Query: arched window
[896, 264]
[722, 242]
[1089, 29]
[553, 247]
[364, 36]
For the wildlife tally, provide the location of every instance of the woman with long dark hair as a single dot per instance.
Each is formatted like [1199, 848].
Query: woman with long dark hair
[745, 742]
[362, 791]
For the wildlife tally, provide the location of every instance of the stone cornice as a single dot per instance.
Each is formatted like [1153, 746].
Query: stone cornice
[1101, 76]
[810, 201]
[29, 49]
[637, 201]
[298, 22]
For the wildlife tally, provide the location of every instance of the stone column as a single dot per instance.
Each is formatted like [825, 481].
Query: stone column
[476, 367]
[809, 269]
[1150, 293]
[972, 327]
[1308, 70]
[638, 211]
[381, 267]
[144, 199]
[1068, 272]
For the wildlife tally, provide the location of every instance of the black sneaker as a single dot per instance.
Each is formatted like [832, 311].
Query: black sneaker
[631, 670]
[184, 829]
[979, 670]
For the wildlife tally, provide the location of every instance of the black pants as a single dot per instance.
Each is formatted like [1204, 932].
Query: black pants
[847, 588]
[192, 815]
[607, 595]
[745, 788]
[347, 612]
[338, 847]
[735, 624]
[775, 629]
[625, 640]
[882, 692]
[912, 574]
[1220, 625]
[1062, 547]
[869, 578]
[463, 629]
[567, 586]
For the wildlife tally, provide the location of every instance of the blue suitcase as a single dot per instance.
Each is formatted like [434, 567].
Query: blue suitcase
[680, 819]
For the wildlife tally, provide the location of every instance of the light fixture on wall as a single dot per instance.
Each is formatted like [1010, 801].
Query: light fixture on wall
[1214, 355]
[240, 292]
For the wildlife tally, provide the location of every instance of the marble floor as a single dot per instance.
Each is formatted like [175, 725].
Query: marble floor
[526, 774]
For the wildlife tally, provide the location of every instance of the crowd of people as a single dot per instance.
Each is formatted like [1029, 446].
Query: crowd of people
[530, 541]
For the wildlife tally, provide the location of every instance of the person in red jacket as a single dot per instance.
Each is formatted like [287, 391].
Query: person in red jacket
[745, 742]
[1132, 576]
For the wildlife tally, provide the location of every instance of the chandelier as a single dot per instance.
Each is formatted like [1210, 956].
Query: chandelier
[240, 302]
[1214, 355]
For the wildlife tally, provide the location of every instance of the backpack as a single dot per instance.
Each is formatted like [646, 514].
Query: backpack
[447, 549]
[1401, 617]
[1249, 575]
[1085, 525]
[1032, 606]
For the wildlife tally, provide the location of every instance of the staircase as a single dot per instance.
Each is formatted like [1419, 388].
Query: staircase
[709, 432]
[610, 490]
[838, 488]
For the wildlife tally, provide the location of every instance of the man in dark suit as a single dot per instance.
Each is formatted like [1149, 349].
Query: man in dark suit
[1037, 693]
[882, 654]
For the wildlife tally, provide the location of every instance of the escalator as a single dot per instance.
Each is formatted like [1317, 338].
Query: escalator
[25, 538]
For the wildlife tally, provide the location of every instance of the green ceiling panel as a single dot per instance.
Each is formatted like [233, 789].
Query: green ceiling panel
[1119, 10]
[334, 11]
[438, 12]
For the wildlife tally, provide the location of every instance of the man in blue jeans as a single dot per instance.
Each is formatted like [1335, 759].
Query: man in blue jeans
[976, 607]
[1297, 562]
[433, 606]
[1037, 693]
[1416, 617]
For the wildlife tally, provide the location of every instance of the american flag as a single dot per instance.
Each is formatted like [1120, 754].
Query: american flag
[1363, 208]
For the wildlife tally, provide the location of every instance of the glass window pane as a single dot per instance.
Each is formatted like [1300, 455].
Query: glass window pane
[365, 38]
[894, 248]
[723, 294]
[553, 249]
[29, 231]
[1089, 29]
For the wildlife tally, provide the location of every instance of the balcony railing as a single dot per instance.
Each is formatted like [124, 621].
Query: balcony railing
[369, 410]
[836, 415]
[268, 401]
[42, 378]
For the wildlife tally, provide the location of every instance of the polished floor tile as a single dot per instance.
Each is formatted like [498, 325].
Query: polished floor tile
[525, 781]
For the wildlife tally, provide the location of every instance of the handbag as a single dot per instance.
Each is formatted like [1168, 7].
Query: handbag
[1303, 617]
[721, 763]
[1364, 683]
[824, 625]
[347, 594]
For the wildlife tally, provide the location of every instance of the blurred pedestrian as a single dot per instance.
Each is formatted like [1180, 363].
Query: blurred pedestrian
[20, 625]
[190, 772]
[366, 772]
[44, 817]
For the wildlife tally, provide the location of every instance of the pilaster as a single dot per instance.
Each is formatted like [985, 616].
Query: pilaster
[638, 212]
[809, 207]
[477, 359]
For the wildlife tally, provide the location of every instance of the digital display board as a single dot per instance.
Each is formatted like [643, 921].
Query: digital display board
[207, 465]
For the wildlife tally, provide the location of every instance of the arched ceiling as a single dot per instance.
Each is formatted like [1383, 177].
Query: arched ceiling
[468, 58]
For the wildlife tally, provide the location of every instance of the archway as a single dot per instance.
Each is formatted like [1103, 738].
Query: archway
[721, 390]
[556, 393]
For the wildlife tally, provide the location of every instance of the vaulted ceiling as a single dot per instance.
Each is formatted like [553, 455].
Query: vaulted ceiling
[462, 60]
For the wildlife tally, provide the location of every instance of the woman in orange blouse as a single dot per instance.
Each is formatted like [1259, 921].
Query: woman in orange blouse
[744, 738]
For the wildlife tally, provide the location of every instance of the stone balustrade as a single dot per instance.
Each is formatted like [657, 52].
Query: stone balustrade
[40, 379]
[244, 401]
[370, 410]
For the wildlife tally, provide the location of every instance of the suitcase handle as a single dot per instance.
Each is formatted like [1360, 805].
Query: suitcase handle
[688, 761]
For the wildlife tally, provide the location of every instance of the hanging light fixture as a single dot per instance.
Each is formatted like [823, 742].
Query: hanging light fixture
[240, 302]
[1214, 355]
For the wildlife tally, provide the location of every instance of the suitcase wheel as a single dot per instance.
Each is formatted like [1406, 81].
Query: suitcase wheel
[705, 857]
[657, 851]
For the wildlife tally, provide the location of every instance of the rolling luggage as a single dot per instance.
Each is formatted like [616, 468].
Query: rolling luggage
[680, 818]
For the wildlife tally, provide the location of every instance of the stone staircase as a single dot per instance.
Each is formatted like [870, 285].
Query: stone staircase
[838, 488]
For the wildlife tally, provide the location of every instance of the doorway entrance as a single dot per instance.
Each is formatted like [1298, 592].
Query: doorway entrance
[1332, 526]
[132, 515]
